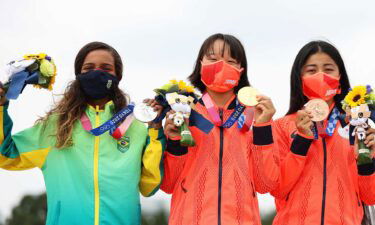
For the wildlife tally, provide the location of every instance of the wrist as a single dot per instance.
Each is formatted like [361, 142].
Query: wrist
[155, 125]
[263, 120]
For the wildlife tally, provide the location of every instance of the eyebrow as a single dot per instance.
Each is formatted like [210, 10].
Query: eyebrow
[103, 64]
[107, 64]
[327, 64]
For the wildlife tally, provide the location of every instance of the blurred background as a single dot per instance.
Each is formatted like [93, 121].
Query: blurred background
[159, 41]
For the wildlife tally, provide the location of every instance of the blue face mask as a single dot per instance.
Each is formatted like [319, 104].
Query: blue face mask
[97, 84]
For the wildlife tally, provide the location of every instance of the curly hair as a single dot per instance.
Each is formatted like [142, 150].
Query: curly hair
[74, 102]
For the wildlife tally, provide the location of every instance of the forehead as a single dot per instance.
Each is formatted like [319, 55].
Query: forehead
[319, 59]
[219, 47]
[99, 56]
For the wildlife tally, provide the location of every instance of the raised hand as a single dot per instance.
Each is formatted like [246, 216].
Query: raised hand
[264, 110]
[170, 129]
[304, 123]
[157, 108]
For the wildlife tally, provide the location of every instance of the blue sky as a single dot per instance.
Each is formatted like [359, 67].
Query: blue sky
[159, 40]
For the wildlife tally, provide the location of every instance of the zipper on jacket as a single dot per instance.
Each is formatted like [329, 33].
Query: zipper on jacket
[220, 168]
[96, 171]
[359, 202]
[324, 180]
[253, 188]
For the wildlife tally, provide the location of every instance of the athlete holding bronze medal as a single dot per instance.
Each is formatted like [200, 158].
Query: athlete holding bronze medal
[320, 182]
[215, 181]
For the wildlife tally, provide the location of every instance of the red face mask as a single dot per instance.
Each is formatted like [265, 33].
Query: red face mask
[321, 85]
[220, 76]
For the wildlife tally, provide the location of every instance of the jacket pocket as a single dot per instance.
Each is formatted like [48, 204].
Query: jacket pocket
[253, 189]
[358, 201]
[56, 215]
[183, 186]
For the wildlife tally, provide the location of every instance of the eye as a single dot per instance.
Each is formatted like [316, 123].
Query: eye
[106, 69]
[360, 115]
[178, 100]
[87, 68]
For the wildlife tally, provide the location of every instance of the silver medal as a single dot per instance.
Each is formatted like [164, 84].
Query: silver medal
[144, 113]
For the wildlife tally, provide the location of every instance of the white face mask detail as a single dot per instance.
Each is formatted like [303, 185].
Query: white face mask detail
[109, 84]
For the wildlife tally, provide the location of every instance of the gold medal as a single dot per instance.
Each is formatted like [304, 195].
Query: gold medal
[319, 109]
[248, 96]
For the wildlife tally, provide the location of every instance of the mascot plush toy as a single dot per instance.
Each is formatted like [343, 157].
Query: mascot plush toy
[181, 98]
[360, 107]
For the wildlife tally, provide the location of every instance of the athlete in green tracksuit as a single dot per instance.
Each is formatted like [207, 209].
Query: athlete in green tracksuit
[89, 179]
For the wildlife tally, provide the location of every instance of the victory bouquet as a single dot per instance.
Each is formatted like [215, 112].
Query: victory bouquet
[360, 107]
[38, 70]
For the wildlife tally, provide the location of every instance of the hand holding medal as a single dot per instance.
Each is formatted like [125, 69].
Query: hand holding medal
[263, 107]
[315, 110]
[147, 112]
[318, 109]
[39, 70]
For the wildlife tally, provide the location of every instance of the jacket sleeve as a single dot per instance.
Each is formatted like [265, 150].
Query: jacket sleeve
[26, 149]
[264, 158]
[152, 162]
[174, 162]
[292, 158]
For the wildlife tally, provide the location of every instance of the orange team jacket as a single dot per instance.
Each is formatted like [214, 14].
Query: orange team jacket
[216, 181]
[320, 182]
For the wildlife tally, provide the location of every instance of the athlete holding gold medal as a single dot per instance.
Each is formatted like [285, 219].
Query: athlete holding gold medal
[216, 180]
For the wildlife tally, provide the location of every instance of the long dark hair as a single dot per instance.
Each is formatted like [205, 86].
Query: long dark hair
[74, 102]
[237, 51]
[297, 98]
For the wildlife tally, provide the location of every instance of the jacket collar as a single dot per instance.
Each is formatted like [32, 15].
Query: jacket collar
[231, 106]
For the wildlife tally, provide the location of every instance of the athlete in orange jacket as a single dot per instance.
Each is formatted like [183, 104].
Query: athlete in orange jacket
[216, 181]
[320, 182]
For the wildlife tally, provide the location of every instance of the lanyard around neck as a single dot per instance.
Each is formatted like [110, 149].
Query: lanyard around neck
[117, 125]
[215, 115]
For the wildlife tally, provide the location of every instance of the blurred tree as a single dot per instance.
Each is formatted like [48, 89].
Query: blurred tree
[159, 217]
[32, 210]
[268, 218]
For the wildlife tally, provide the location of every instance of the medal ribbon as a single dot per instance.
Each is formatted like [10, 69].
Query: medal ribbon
[111, 125]
[323, 131]
[246, 120]
[121, 130]
[215, 115]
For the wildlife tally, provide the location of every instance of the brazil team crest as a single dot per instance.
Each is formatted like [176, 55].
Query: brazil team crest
[123, 144]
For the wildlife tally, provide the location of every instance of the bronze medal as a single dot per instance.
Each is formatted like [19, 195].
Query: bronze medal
[318, 108]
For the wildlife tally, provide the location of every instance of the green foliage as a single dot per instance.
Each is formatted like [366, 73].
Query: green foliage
[32, 210]
[159, 217]
[268, 218]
